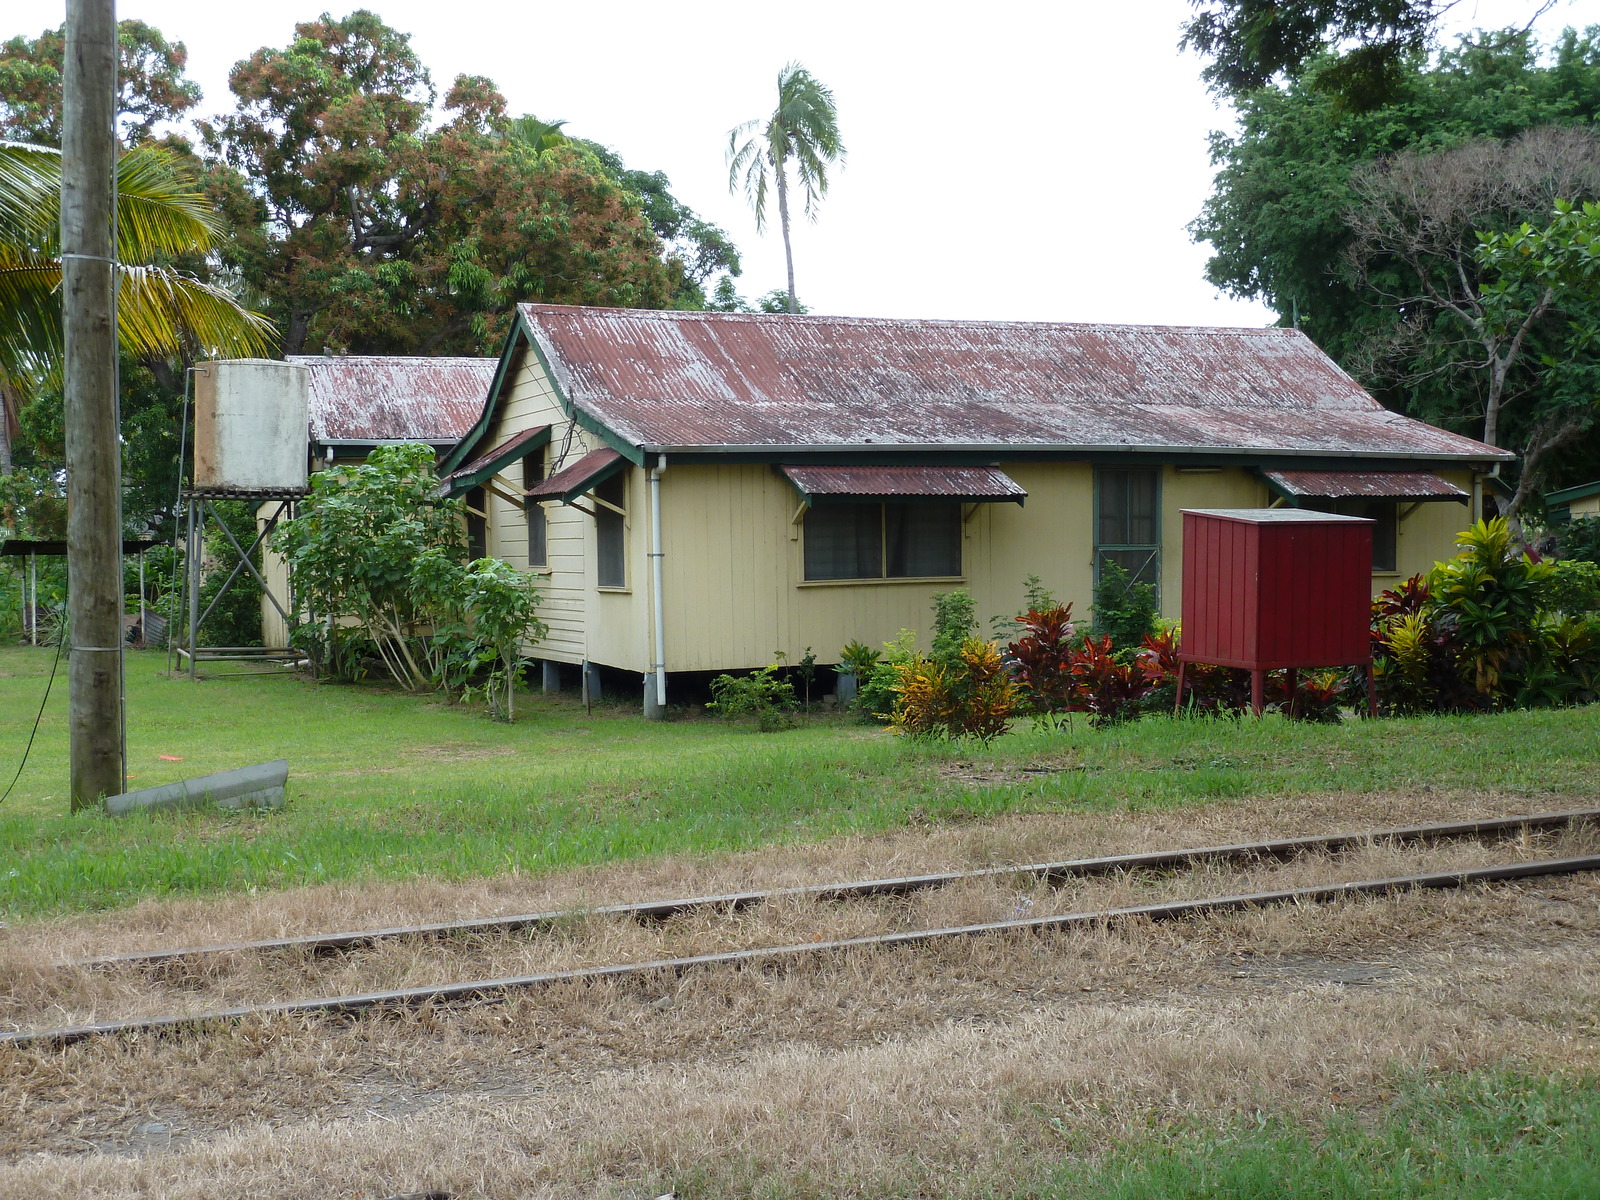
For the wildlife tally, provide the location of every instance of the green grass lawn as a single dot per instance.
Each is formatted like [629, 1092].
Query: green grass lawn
[385, 784]
[1484, 1136]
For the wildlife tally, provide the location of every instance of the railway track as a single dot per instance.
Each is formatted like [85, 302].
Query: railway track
[487, 989]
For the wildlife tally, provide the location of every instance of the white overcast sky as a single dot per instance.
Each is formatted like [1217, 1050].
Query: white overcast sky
[1013, 160]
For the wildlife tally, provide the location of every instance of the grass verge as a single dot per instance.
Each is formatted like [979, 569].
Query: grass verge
[1484, 1136]
[385, 785]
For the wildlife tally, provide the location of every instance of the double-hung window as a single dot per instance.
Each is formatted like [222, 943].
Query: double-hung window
[865, 540]
[1127, 503]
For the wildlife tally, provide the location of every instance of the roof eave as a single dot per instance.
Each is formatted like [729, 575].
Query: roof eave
[1015, 449]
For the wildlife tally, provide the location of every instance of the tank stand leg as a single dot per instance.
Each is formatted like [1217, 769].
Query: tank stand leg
[1291, 680]
[1257, 682]
[1372, 692]
[1177, 702]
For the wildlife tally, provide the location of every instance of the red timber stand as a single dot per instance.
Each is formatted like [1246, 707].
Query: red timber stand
[1269, 589]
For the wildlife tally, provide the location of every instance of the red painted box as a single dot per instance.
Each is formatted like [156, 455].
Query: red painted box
[1266, 588]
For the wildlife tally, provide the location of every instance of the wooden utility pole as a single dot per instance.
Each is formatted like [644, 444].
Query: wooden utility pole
[94, 476]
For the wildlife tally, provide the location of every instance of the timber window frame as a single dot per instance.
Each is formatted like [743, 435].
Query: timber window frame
[477, 512]
[1127, 522]
[533, 474]
[611, 531]
[871, 540]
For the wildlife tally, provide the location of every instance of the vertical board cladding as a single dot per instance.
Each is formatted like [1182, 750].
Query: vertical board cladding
[1272, 588]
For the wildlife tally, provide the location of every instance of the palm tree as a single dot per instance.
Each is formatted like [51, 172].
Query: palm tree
[803, 130]
[162, 312]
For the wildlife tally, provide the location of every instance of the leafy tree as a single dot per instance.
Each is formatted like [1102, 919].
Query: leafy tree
[1547, 281]
[367, 229]
[1365, 47]
[380, 561]
[151, 87]
[1310, 198]
[803, 131]
[703, 249]
[1484, 312]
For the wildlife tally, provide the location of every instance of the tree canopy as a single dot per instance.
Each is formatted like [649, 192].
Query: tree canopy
[370, 230]
[1354, 225]
[1362, 49]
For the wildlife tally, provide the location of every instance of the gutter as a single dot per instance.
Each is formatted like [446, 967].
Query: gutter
[1018, 451]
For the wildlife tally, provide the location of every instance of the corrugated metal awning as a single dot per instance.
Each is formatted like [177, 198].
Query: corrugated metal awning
[903, 483]
[488, 465]
[571, 482]
[1362, 485]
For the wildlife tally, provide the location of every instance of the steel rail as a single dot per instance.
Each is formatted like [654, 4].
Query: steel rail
[498, 989]
[1050, 872]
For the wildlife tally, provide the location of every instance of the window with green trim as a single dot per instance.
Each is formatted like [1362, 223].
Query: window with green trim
[1127, 522]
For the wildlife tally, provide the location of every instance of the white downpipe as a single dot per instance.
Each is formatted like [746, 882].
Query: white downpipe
[660, 656]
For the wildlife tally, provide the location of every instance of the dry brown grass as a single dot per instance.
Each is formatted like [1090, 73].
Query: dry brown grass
[157, 924]
[40, 995]
[967, 1064]
[951, 1069]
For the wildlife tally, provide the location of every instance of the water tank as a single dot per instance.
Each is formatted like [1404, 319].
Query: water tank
[250, 425]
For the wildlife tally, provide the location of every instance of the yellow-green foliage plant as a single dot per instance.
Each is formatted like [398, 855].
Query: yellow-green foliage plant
[971, 696]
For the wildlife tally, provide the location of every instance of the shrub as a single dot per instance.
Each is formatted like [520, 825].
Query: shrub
[1043, 659]
[1580, 539]
[875, 694]
[1124, 610]
[972, 696]
[1106, 687]
[954, 620]
[764, 696]
[1489, 598]
[1573, 587]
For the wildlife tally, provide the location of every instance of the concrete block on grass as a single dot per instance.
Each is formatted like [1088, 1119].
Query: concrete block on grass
[259, 786]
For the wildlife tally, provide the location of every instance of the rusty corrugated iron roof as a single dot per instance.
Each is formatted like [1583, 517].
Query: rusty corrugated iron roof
[1364, 485]
[943, 483]
[579, 477]
[708, 381]
[392, 398]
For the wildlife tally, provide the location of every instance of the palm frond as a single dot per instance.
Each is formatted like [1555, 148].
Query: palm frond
[30, 334]
[30, 194]
[160, 312]
[160, 208]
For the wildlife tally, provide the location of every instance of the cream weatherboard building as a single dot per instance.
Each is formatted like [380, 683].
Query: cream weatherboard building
[695, 491]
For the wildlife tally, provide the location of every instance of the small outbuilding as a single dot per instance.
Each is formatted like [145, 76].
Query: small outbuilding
[695, 491]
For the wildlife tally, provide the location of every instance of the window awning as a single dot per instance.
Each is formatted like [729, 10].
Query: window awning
[1362, 485]
[486, 466]
[904, 483]
[571, 482]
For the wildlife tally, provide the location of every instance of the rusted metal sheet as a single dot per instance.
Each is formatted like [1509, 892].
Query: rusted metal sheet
[944, 483]
[383, 398]
[1364, 485]
[496, 460]
[704, 381]
[579, 477]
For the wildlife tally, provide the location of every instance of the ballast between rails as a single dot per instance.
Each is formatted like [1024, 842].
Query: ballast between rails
[1050, 872]
[492, 990]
